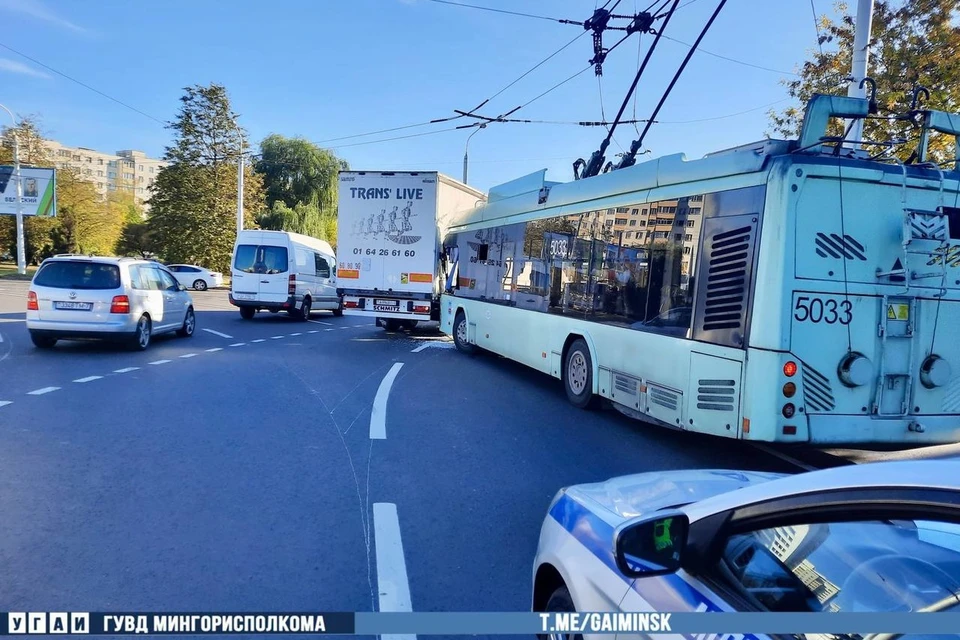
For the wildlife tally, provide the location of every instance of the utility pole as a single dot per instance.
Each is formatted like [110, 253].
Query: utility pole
[861, 57]
[240, 165]
[21, 245]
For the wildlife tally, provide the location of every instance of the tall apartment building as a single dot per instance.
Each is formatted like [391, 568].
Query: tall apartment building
[126, 170]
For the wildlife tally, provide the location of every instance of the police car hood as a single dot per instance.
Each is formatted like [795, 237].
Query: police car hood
[641, 493]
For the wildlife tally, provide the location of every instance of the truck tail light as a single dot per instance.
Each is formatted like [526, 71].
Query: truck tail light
[32, 303]
[120, 304]
[350, 304]
[421, 308]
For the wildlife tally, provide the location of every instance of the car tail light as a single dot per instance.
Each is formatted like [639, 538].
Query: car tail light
[32, 303]
[120, 304]
[292, 284]
[790, 369]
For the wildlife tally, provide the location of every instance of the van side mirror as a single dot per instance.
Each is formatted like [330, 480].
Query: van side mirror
[652, 545]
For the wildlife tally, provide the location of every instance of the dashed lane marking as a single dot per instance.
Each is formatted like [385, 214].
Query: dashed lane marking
[433, 345]
[238, 344]
[258, 340]
[217, 333]
[320, 322]
[392, 579]
[329, 329]
[43, 391]
[159, 362]
[88, 379]
[275, 337]
[4, 403]
[188, 355]
[214, 350]
[296, 334]
[313, 331]
[125, 370]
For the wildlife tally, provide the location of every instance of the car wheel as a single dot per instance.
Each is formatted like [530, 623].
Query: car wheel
[305, 309]
[460, 335]
[391, 324]
[339, 310]
[189, 324]
[578, 375]
[200, 285]
[247, 313]
[41, 341]
[560, 602]
[142, 334]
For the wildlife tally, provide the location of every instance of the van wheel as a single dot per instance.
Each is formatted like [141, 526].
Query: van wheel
[41, 341]
[247, 313]
[305, 310]
[142, 334]
[460, 334]
[578, 376]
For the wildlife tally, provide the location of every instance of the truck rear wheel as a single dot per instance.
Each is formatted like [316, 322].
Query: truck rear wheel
[460, 335]
[410, 325]
[391, 324]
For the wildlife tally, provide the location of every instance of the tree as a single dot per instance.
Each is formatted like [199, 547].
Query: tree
[136, 240]
[193, 202]
[914, 42]
[88, 224]
[300, 183]
[33, 152]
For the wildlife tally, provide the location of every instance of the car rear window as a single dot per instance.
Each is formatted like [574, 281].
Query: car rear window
[253, 258]
[65, 274]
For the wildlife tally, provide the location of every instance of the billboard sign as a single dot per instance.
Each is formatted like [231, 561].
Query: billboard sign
[39, 191]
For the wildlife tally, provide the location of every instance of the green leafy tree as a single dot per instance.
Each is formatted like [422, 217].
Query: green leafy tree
[914, 42]
[33, 152]
[193, 202]
[300, 183]
[137, 241]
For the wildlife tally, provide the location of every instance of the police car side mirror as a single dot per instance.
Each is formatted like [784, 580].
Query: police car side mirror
[651, 545]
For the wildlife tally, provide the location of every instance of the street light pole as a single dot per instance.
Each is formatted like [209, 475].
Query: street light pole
[21, 245]
[465, 150]
[861, 57]
[240, 165]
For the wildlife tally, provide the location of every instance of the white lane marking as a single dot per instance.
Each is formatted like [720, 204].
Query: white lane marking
[314, 331]
[275, 337]
[238, 344]
[125, 370]
[320, 322]
[40, 392]
[433, 345]
[4, 403]
[214, 350]
[1, 338]
[88, 379]
[329, 329]
[773, 452]
[296, 334]
[258, 340]
[346, 327]
[378, 414]
[159, 362]
[188, 355]
[392, 581]
[217, 333]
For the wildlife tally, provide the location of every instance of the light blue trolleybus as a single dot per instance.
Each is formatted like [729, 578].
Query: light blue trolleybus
[788, 291]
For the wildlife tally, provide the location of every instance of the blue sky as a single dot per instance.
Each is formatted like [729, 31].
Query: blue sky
[330, 68]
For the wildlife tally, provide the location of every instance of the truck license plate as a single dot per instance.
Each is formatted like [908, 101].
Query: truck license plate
[386, 303]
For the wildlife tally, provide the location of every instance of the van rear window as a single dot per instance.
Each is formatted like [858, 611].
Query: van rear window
[66, 274]
[251, 258]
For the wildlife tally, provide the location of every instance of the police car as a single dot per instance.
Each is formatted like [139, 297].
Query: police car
[881, 537]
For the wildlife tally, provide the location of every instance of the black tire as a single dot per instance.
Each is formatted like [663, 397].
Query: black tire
[189, 324]
[560, 602]
[247, 313]
[305, 309]
[391, 324]
[339, 310]
[142, 334]
[200, 285]
[578, 375]
[460, 334]
[41, 341]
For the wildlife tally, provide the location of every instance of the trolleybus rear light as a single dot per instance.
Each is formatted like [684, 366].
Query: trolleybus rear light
[789, 389]
[789, 430]
[790, 369]
[788, 410]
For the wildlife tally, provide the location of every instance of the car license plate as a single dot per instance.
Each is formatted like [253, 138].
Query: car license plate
[386, 303]
[73, 306]
[243, 296]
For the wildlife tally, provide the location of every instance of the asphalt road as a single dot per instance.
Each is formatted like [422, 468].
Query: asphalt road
[271, 465]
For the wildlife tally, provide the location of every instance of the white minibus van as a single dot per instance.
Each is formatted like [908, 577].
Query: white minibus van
[282, 271]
